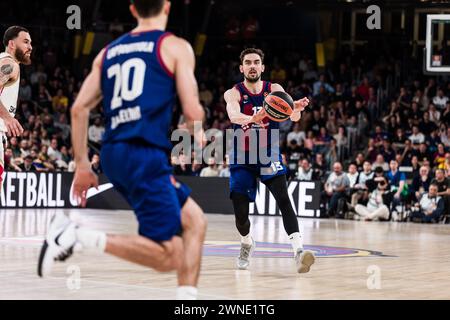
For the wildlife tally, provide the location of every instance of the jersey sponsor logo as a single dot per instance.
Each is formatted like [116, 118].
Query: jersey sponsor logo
[275, 102]
[92, 192]
[143, 46]
[12, 109]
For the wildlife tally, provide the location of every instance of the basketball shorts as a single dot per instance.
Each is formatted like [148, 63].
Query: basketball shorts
[142, 174]
[244, 178]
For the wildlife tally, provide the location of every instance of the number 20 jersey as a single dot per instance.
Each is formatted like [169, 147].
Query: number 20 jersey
[138, 90]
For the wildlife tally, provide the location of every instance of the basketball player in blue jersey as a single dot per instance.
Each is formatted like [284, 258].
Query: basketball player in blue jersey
[244, 107]
[137, 76]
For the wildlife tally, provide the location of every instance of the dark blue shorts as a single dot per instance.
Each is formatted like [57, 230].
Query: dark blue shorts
[243, 178]
[142, 174]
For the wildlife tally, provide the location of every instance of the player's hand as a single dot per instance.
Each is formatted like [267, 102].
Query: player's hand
[200, 138]
[259, 116]
[301, 104]
[13, 126]
[84, 179]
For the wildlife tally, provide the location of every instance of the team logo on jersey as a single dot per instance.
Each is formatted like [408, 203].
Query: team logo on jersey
[245, 97]
[266, 94]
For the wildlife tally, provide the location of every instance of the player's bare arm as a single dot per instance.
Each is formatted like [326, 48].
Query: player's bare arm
[89, 96]
[178, 54]
[299, 105]
[9, 72]
[232, 98]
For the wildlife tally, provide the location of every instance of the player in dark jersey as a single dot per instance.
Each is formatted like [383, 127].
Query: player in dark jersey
[244, 107]
[138, 76]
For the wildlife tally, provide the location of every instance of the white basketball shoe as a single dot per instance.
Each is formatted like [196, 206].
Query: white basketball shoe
[246, 252]
[58, 245]
[304, 259]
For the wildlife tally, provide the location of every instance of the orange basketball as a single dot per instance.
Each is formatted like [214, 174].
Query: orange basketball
[279, 106]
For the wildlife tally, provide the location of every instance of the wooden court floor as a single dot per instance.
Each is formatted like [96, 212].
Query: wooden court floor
[355, 260]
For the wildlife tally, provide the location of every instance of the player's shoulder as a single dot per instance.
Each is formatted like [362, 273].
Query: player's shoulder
[9, 67]
[174, 39]
[5, 56]
[98, 61]
[176, 44]
[232, 93]
[275, 87]
[7, 59]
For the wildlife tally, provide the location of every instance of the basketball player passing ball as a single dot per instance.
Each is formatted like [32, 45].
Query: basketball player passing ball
[245, 110]
[138, 76]
[18, 50]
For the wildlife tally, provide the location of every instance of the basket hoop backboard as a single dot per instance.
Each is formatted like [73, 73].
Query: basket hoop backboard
[437, 50]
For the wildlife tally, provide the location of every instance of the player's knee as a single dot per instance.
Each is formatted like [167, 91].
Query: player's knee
[199, 222]
[162, 267]
[202, 221]
[193, 217]
[170, 260]
[166, 265]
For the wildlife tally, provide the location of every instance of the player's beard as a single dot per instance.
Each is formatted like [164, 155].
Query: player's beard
[256, 78]
[22, 58]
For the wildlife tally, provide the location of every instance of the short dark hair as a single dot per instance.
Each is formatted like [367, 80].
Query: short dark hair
[11, 33]
[148, 8]
[379, 170]
[249, 51]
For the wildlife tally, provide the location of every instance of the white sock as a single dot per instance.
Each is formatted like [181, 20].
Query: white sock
[296, 241]
[91, 239]
[187, 293]
[247, 239]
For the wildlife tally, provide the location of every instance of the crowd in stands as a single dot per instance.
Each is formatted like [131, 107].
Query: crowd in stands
[376, 151]
[380, 144]
[45, 97]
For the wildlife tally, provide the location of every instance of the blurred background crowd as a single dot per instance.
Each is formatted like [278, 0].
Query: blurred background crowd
[376, 134]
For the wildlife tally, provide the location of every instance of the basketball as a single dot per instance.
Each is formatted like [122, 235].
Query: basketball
[278, 105]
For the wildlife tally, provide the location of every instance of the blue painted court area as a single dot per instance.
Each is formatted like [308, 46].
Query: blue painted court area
[283, 250]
